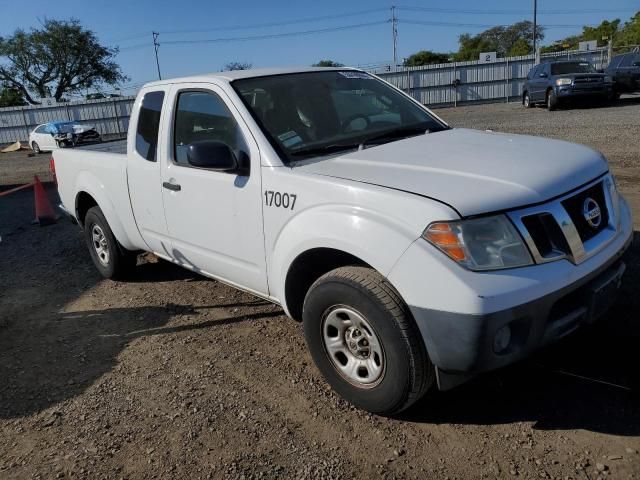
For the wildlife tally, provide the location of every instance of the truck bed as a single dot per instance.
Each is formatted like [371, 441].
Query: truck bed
[114, 146]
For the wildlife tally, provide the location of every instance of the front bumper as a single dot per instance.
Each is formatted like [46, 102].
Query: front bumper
[570, 91]
[459, 313]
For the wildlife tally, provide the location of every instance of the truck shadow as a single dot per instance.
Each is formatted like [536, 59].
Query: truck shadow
[63, 354]
[590, 380]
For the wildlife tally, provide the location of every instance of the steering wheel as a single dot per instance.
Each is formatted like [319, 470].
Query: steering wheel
[349, 120]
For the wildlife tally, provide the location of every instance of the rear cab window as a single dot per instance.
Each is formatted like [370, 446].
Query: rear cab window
[148, 125]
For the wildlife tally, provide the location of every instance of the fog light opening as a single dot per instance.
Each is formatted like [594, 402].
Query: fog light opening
[502, 339]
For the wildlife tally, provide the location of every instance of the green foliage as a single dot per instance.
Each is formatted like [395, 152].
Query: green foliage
[61, 57]
[237, 66]
[11, 97]
[327, 63]
[504, 40]
[630, 32]
[425, 57]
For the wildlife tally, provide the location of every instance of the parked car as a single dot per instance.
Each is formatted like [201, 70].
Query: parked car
[415, 254]
[625, 72]
[52, 135]
[555, 83]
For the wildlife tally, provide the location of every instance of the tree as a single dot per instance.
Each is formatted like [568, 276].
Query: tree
[10, 97]
[504, 40]
[237, 66]
[328, 63]
[630, 32]
[62, 57]
[608, 29]
[425, 57]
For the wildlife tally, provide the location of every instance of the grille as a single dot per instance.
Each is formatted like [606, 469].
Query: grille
[559, 229]
[575, 208]
[583, 80]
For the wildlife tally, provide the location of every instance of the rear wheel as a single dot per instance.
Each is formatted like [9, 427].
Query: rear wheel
[552, 100]
[526, 100]
[364, 341]
[109, 257]
[35, 147]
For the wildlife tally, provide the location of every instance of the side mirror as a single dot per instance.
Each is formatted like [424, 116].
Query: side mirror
[213, 155]
[543, 75]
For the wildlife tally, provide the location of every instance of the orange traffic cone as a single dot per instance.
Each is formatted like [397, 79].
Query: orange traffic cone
[45, 215]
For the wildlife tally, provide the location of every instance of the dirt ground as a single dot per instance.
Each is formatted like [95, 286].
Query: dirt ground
[171, 375]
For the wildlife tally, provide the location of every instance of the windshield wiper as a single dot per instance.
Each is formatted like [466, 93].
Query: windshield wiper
[404, 132]
[332, 148]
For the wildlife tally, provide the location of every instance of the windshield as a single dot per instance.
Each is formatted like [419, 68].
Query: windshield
[571, 67]
[315, 113]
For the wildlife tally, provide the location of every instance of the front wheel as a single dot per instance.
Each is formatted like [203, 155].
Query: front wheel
[109, 257]
[36, 148]
[526, 101]
[365, 342]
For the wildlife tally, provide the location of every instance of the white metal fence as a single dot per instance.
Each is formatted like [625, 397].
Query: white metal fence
[431, 85]
[109, 116]
[478, 81]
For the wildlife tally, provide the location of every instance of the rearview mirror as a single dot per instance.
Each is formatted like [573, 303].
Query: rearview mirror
[213, 155]
[543, 75]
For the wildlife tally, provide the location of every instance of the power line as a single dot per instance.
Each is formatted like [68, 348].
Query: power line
[274, 35]
[514, 12]
[477, 25]
[277, 24]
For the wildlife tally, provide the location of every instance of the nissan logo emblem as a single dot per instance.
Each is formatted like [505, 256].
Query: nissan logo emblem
[591, 212]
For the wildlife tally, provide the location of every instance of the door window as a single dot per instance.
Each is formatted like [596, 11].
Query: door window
[202, 115]
[630, 60]
[148, 125]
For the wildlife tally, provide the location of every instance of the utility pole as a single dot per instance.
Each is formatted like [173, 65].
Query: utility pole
[155, 46]
[535, 23]
[394, 31]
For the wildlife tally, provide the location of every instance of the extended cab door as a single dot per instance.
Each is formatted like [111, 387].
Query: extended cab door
[143, 168]
[214, 217]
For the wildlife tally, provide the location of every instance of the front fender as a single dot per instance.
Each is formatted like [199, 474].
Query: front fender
[373, 237]
[91, 184]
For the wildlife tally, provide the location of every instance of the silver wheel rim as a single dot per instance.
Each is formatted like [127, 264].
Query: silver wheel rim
[100, 245]
[353, 347]
[526, 100]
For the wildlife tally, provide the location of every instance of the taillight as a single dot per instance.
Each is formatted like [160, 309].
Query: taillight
[52, 169]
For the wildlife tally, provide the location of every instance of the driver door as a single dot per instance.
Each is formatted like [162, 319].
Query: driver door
[214, 218]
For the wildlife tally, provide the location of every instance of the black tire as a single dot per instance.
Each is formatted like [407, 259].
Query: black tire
[36, 148]
[407, 372]
[526, 100]
[552, 101]
[118, 262]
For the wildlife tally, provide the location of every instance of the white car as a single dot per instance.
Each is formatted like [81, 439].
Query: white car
[415, 254]
[49, 136]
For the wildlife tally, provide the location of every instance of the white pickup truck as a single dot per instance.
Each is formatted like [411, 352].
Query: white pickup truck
[415, 254]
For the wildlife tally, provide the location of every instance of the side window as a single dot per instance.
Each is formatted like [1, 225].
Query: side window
[41, 129]
[546, 69]
[200, 116]
[630, 60]
[148, 125]
[533, 72]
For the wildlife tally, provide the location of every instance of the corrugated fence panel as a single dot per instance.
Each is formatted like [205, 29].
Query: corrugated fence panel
[109, 116]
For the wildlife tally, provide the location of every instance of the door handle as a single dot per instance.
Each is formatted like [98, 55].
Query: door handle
[171, 186]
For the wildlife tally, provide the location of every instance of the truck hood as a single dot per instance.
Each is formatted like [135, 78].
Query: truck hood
[472, 171]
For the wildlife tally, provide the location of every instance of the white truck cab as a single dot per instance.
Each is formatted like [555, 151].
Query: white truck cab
[415, 254]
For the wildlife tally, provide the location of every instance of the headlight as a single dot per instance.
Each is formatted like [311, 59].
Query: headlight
[488, 243]
[563, 81]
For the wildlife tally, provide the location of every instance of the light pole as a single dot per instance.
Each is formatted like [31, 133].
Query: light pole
[535, 22]
[155, 46]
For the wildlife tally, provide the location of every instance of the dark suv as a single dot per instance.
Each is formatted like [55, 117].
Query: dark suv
[625, 71]
[556, 82]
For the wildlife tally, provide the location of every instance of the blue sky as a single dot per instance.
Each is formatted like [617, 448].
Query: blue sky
[129, 25]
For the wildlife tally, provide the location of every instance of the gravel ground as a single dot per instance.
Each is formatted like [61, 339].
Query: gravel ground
[171, 375]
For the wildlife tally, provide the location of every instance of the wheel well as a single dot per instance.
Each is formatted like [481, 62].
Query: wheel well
[84, 202]
[307, 268]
